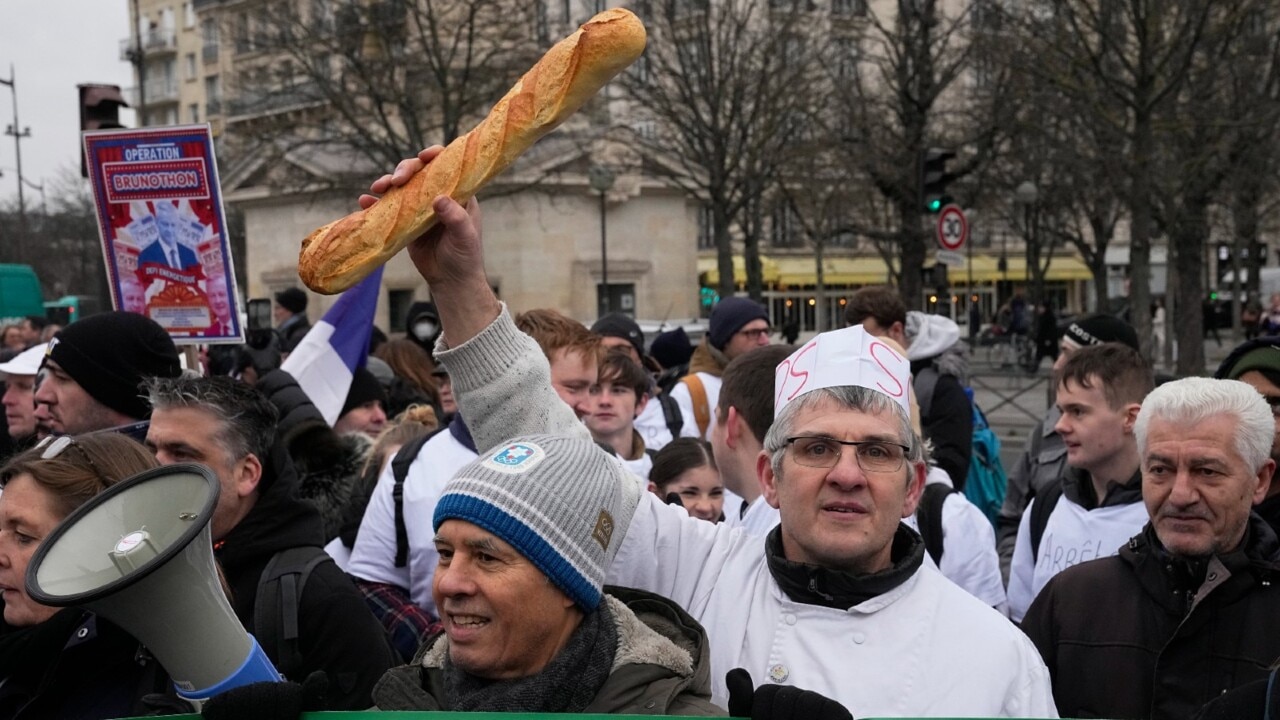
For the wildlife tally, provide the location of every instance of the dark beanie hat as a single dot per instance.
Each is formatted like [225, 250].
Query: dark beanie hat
[1098, 329]
[620, 326]
[364, 387]
[728, 317]
[292, 299]
[1258, 354]
[671, 348]
[111, 353]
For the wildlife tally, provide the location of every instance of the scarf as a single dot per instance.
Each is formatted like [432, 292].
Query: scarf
[816, 585]
[566, 685]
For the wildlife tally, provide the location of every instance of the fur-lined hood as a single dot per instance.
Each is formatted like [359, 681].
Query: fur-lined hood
[707, 359]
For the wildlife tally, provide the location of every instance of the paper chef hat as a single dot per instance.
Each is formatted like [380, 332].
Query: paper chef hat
[851, 356]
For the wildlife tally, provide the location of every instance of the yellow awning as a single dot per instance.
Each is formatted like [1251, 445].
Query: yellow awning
[795, 271]
[835, 271]
[768, 267]
[986, 269]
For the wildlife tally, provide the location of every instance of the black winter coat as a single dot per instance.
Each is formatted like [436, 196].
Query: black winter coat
[77, 665]
[1144, 635]
[337, 632]
[948, 425]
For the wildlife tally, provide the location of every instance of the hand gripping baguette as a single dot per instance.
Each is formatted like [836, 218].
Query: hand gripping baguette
[340, 254]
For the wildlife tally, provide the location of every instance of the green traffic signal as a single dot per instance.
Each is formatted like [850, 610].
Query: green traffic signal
[935, 205]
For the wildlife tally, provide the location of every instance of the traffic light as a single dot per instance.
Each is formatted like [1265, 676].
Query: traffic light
[934, 179]
[99, 110]
[708, 297]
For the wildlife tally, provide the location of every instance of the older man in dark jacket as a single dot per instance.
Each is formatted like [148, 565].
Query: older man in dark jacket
[1189, 608]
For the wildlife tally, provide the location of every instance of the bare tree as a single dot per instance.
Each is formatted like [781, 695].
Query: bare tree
[903, 97]
[361, 84]
[1200, 137]
[1133, 55]
[1253, 78]
[724, 83]
[63, 245]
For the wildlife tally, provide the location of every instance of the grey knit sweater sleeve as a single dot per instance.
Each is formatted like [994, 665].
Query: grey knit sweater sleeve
[502, 384]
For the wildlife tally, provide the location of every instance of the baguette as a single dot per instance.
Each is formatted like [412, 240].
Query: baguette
[342, 253]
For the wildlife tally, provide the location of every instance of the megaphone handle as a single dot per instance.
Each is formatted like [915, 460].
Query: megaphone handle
[257, 667]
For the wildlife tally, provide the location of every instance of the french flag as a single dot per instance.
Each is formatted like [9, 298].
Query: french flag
[326, 359]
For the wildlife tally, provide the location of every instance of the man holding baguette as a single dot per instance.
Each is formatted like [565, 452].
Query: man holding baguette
[838, 590]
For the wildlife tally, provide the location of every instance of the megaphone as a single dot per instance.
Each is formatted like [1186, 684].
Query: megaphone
[140, 554]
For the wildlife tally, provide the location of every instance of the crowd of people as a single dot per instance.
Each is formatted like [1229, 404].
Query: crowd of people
[513, 511]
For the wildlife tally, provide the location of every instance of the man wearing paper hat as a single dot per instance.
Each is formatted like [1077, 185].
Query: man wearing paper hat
[840, 577]
[19, 378]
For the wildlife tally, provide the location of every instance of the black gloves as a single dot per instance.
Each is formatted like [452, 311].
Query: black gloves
[269, 700]
[778, 702]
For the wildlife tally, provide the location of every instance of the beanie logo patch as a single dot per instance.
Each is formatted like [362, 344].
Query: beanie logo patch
[604, 529]
[516, 458]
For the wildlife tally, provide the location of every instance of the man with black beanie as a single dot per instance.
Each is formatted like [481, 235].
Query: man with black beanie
[93, 369]
[365, 410]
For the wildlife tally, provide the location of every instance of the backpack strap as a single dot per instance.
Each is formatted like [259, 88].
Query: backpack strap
[1040, 515]
[671, 413]
[1272, 711]
[698, 394]
[275, 607]
[929, 518]
[926, 381]
[399, 471]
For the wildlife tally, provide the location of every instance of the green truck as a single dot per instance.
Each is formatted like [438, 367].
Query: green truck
[20, 296]
[20, 293]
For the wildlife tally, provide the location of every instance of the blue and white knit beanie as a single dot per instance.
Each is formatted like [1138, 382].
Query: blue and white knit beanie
[561, 502]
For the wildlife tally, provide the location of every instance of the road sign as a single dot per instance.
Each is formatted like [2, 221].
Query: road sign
[950, 258]
[953, 228]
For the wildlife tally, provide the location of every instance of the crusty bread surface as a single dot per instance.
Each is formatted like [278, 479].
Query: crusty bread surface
[342, 253]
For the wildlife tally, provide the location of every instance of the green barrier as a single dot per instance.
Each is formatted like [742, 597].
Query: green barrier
[440, 715]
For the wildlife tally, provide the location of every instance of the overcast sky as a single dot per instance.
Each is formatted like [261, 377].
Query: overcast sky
[53, 46]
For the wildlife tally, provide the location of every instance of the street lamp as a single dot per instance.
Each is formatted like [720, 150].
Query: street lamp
[19, 134]
[1026, 195]
[601, 179]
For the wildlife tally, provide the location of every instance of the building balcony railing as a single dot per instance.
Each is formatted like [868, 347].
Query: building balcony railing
[154, 42]
[213, 107]
[157, 92]
[210, 53]
[260, 103]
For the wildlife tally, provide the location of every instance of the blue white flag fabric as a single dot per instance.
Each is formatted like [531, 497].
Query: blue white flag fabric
[326, 359]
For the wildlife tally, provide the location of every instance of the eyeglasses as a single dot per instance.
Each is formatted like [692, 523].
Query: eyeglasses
[756, 334]
[55, 444]
[824, 452]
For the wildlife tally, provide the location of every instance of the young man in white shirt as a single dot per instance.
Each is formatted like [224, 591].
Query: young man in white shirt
[1097, 506]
